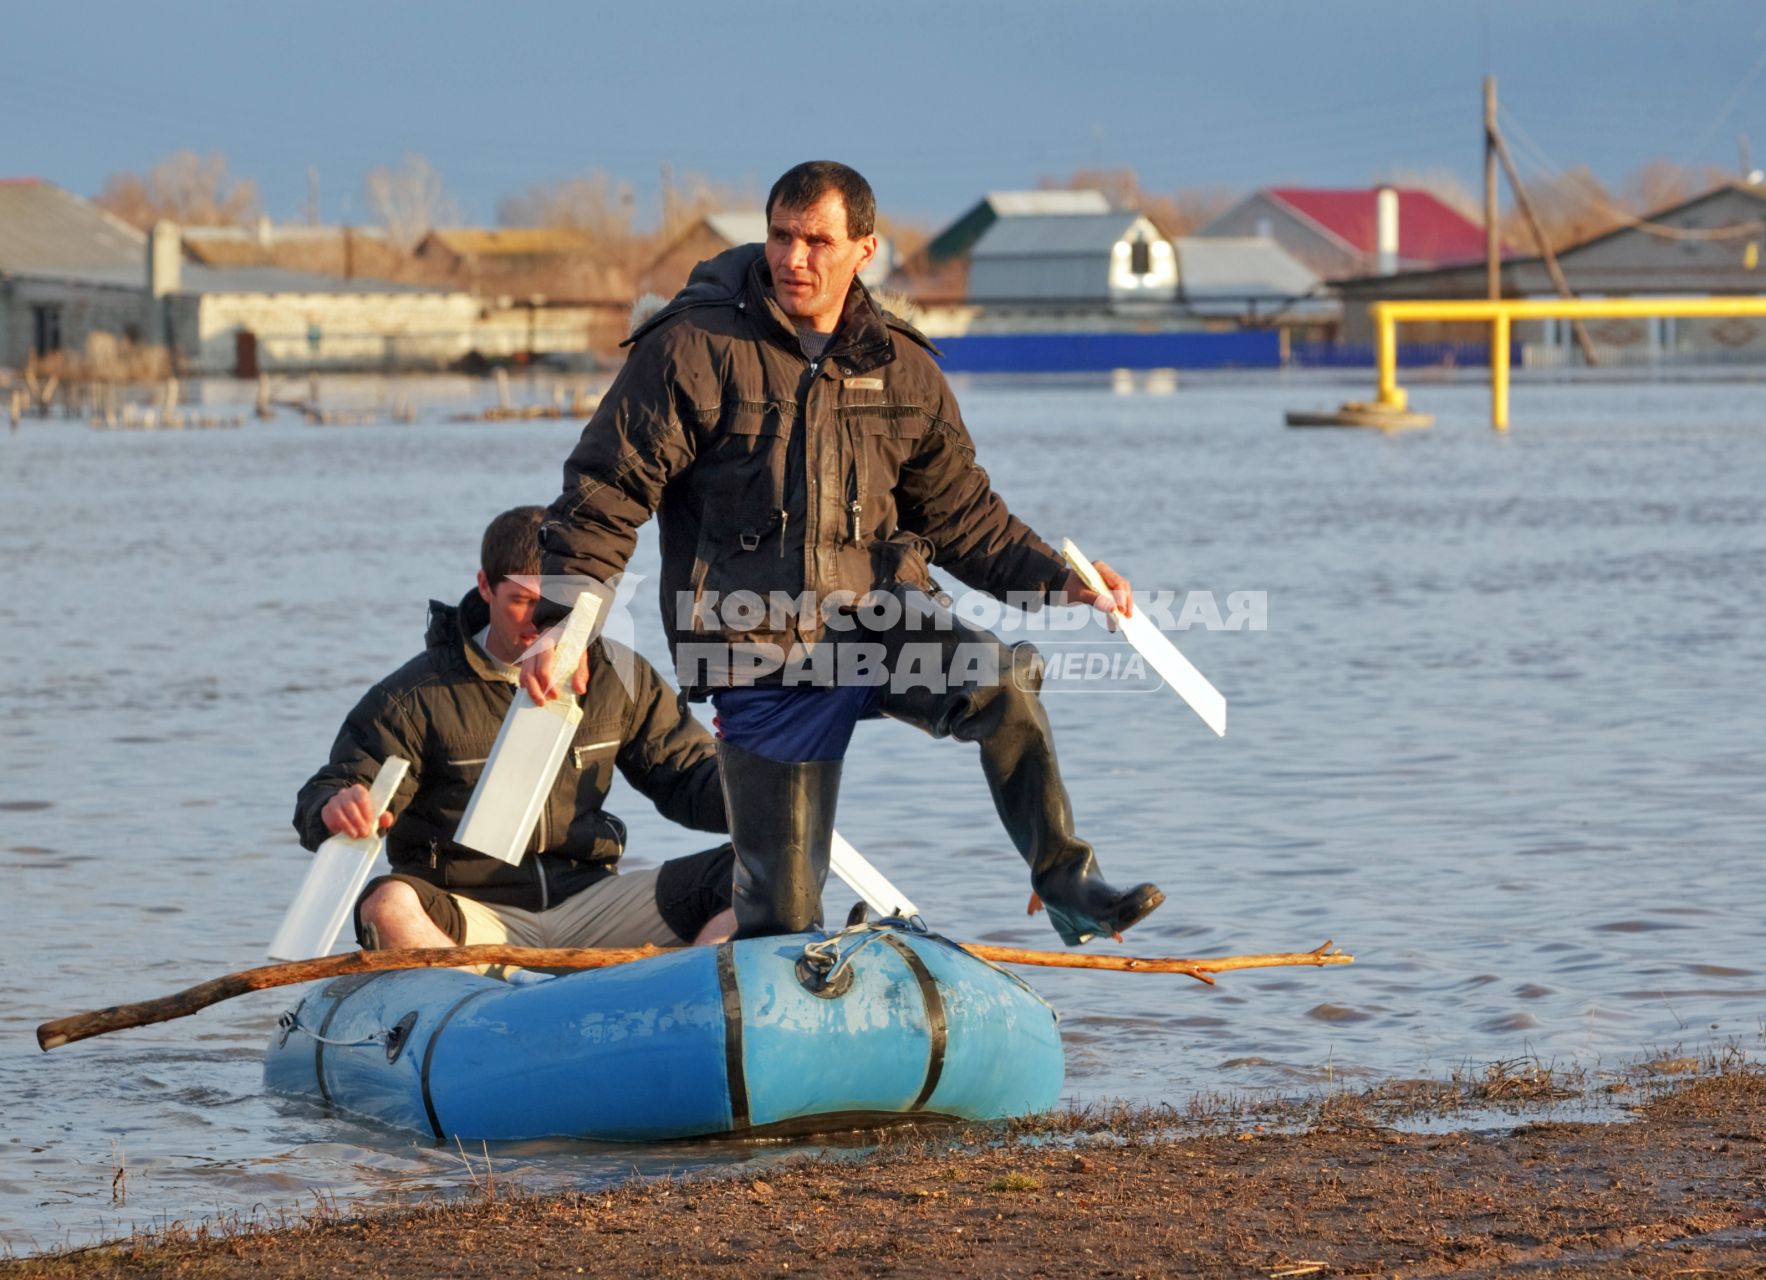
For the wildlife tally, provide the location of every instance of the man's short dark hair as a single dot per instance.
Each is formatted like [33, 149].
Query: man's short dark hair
[511, 545]
[802, 185]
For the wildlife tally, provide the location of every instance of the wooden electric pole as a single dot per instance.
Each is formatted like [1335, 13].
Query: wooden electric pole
[1492, 230]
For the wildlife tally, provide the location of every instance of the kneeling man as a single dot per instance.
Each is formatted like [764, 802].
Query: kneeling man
[442, 711]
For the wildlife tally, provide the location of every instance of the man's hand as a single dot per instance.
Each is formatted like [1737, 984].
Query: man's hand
[1075, 591]
[537, 676]
[348, 813]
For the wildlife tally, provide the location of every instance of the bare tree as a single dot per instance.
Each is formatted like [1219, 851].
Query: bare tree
[594, 203]
[1187, 209]
[409, 201]
[691, 196]
[1572, 207]
[1176, 213]
[1658, 184]
[185, 188]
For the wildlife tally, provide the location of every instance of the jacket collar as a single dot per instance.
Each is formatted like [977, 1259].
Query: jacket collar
[453, 627]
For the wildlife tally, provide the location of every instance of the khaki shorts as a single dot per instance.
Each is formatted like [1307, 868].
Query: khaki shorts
[619, 911]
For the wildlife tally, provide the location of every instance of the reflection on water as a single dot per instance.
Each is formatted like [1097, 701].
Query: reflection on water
[1501, 740]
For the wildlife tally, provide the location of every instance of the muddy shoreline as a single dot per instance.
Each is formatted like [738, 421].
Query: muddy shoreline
[1404, 1179]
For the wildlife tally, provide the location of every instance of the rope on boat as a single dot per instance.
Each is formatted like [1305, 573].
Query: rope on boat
[289, 1022]
[825, 959]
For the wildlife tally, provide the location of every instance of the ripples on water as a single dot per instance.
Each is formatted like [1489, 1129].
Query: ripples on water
[1501, 740]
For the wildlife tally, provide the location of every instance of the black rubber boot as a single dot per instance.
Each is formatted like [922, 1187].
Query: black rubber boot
[1005, 716]
[782, 827]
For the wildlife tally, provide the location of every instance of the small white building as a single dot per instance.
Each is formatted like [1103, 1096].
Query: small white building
[69, 271]
[1116, 260]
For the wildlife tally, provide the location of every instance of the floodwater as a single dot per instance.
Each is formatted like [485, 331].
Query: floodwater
[1501, 739]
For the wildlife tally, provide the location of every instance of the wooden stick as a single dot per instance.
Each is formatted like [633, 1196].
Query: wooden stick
[82, 1026]
[1197, 969]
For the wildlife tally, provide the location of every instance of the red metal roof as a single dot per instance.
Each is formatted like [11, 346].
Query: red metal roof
[1428, 231]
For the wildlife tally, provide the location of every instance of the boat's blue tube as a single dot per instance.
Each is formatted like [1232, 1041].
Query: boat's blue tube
[704, 1040]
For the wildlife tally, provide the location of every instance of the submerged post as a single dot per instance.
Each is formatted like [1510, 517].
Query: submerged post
[1499, 350]
[1389, 410]
[1391, 395]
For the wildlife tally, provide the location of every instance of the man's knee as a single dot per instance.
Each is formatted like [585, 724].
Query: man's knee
[1018, 685]
[396, 908]
[1026, 668]
[391, 900]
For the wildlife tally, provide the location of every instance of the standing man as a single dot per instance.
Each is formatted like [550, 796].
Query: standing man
[807, 464]
[442, 711]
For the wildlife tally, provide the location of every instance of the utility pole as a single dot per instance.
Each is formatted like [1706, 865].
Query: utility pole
[1492, 232]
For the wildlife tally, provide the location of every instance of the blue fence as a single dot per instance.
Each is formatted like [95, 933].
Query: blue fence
[1101, 352]
[1411, 355]
[1240, 349]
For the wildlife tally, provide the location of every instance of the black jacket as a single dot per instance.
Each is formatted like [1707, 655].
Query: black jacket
[776, 474]
[442, 710]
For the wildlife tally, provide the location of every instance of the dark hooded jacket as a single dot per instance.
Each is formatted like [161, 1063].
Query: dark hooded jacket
[442, 710]
[775, 474]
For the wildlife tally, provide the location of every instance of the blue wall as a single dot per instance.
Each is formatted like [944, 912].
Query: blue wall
[1240, 349]
[1101, 352]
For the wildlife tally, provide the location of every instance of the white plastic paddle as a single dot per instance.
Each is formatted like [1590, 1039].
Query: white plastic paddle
[868, 882]
[529, 750]
[1148, 641]
[335, 878]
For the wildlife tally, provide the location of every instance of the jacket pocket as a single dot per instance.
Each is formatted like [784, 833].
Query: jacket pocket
[748, 452]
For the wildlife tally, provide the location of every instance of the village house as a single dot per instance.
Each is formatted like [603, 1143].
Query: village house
[227, 300]
[542, 291]
[1342, 234]
[1075, 261]
[1707, 246]
[71, 273]
[1085, 289]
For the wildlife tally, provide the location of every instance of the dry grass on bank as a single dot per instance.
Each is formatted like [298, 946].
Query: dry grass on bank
[1340, 1183]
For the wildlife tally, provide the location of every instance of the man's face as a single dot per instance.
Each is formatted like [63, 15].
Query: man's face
[813, 261]
[512, 603]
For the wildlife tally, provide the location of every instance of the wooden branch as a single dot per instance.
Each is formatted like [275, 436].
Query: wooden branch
[82, 1026]
[1197, 969]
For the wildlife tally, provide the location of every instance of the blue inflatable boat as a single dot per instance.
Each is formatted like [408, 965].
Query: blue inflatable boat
[794, 1034]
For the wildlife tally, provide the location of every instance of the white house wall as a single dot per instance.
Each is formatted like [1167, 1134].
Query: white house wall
[331, 330]
[1158, 285]
[85, 309]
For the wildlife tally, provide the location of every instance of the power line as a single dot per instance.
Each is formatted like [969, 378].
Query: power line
[1592, 197]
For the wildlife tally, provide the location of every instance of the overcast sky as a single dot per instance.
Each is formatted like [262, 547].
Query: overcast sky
[935, 102]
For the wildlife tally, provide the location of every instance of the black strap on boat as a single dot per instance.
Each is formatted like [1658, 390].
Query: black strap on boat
[732, 994]
[319, 1043]
[429, 1055]
[937, 1026]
